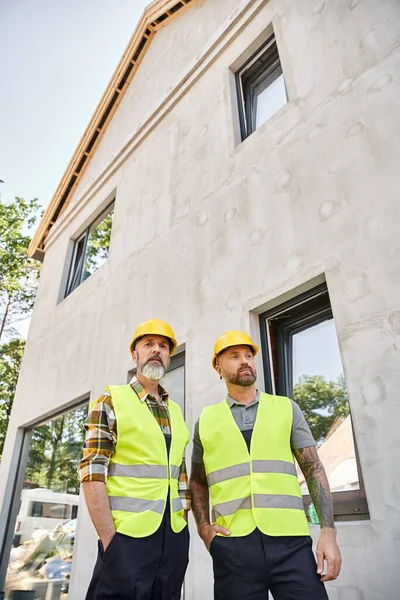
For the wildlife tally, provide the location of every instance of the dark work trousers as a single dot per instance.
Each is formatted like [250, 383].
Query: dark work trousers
[149, 568]
[250, 566]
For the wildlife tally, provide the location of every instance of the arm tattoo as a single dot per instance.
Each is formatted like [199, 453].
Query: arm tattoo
[198, 487]
[318, 484]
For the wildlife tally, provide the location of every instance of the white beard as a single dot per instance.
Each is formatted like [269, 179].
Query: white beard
[153, 372]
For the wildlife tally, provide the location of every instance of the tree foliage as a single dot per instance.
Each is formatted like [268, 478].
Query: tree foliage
[18, 284]
[18, 274]
[55, 452]
[322, 402]
[98, 246]
[10, 361]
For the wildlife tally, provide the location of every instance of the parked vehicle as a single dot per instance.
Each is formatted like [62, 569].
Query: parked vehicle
[41, 511]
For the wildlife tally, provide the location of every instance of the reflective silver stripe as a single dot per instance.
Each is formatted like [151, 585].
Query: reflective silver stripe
[230, 507]
[228, 473]
[149, 471]
[274, 466]
[277, 501]
[175, 472]
[176, 505]
[136, 505]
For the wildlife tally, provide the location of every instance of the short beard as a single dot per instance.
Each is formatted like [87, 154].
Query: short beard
[153, 372]
[242, 380]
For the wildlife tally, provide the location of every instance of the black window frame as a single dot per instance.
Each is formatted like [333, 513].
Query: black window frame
[261, 69]
[77, 263]
[287, 319]
[15, 481]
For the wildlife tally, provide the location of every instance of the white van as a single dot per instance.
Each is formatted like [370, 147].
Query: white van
[41, 510]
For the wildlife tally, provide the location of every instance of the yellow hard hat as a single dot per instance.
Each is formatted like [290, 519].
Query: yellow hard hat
[232, 338]
[154, 327]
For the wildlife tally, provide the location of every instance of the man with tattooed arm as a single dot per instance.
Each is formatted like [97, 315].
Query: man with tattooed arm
[243, 462]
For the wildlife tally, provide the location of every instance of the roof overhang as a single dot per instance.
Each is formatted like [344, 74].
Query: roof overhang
[155, 16]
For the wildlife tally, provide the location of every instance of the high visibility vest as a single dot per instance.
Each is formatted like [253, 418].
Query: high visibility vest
[256, 489]
[140, 473]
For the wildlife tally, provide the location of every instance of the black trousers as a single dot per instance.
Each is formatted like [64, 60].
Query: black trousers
[251, 566]
[150, 568]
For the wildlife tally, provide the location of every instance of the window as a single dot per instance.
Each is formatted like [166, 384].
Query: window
[174, 380]
[302, 360]
[49, 510]
[90, 249]
[45, 493]
[260, 87]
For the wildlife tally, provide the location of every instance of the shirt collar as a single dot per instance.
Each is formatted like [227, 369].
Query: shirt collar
[231, 402]
[143, 393]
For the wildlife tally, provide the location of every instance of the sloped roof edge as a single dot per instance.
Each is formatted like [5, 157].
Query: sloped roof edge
[155, 16]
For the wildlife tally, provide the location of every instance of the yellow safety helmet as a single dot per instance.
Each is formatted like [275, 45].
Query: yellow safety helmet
[232, 338]
[154, 327]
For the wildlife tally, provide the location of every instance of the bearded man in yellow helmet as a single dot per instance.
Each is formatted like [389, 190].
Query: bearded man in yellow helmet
[134, 479]
[243, 461]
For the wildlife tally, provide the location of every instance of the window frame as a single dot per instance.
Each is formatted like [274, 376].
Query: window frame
[75, 272]
[260, 67]
[179, 360]
[12, 496]
[308, 309]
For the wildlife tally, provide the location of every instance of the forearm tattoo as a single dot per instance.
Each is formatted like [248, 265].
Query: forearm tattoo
[198, 487]
[318, 484]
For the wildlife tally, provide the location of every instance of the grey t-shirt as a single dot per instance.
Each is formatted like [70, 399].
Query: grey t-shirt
[245, 417]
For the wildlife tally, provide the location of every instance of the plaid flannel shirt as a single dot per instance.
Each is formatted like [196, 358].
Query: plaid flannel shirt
[101, 436]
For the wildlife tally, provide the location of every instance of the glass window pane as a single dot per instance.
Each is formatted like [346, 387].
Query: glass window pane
[319, 388]
[98, 245]
[77, 265]
[174, 382]
[269, 100]
[41, 556]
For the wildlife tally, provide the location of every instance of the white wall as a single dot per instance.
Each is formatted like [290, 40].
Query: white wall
[207, 232]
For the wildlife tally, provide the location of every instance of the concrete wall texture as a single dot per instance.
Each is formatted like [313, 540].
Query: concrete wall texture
[208, 232]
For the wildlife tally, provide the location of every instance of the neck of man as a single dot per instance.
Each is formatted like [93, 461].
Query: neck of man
[150, 385]
[241, 393]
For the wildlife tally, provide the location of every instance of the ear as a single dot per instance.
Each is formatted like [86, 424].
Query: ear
[218, 369]
[134, 356]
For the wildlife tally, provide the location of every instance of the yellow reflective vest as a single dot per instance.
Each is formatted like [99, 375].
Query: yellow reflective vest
[256, 489]
[140, 473]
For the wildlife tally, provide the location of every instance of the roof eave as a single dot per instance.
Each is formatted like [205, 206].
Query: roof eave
[155, 16]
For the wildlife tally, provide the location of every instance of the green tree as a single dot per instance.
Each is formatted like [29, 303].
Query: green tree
[55, 452]
[98, 246]
[322, 402]
[18, 273]
[10, 361]
[18, 284]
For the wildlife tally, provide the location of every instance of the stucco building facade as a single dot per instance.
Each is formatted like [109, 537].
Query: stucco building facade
[213, 227]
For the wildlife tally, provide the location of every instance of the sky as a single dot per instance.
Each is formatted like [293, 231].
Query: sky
[316, 352]
[57, 58]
